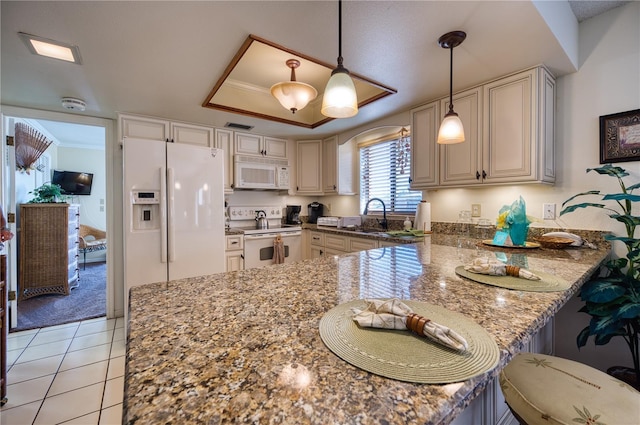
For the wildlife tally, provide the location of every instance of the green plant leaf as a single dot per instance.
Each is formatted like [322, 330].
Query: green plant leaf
[601, 291]
[629, 220]
[621, 197]
[634, 186]
[628, 311]
[606, 326]
[610, 170]
[572, 208]
[583, 337]
[591, 192]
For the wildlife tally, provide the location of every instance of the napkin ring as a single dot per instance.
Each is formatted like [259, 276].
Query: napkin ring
[415, 323]
[513, 271]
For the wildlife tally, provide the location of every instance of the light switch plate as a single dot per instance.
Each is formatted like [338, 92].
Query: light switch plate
[548, 211]
[476, 210]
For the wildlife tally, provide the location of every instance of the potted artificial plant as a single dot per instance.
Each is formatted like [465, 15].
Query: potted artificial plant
[46, 194]
[613, 300]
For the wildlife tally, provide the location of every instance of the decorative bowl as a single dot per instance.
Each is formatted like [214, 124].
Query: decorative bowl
[554, 242]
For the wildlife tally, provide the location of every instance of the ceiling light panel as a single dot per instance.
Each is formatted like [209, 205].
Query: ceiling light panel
[51, 48]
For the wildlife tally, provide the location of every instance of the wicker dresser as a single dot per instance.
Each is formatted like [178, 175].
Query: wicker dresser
[48, 256]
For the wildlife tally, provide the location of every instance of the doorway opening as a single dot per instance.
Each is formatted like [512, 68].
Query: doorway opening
[80, 145]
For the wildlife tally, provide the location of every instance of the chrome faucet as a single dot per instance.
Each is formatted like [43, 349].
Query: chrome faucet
[382, 222]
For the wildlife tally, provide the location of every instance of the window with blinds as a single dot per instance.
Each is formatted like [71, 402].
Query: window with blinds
[384, 174]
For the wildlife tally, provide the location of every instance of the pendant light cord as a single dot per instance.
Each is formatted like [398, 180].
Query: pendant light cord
[339, 32]
[451, 82]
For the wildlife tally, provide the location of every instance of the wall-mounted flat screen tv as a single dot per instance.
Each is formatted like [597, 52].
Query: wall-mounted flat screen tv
[73, 182]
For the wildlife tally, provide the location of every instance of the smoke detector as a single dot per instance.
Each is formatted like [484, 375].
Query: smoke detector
[74, 103]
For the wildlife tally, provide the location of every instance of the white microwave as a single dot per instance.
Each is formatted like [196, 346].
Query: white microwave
[260, 173]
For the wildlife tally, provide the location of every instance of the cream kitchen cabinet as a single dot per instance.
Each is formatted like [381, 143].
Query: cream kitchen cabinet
[140, 127]
[253, 144]
[489, 407]
[461, 163]
[309, 167]
[316, 243]
[425, 165]
[510, 131]
[224, 141]
[339, 164]
[234, 253]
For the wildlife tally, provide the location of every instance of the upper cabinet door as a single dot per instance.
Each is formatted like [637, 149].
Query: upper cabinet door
[275, 148]
[509, 110]
[461, 163]
[309, 167]
[425, 121]
[224, 141]
[248, 144]
[192, 134]
[144, 128]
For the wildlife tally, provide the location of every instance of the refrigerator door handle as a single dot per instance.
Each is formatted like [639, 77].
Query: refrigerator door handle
[163, 214]
[170, 216]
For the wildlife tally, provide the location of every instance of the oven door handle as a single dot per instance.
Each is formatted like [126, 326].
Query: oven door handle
[272, 235]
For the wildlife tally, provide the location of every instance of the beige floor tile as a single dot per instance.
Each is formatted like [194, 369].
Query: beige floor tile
[27, 391]
[64, 325]
[120, 322]
[111, 415]
[90, 419]
[85, 356]
[35, 369]
[12, 356]
[24, 414]
[113, 392]
[116, 367]
[70, 405]
[53, 336]
[79, 377]
[91, 340]
[118, 335]
[118, 348]
[44, 350]
[89, 328]
[19, 341]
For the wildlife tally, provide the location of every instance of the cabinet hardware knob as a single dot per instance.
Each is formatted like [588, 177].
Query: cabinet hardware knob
[477, 175]
[334, 187]
[484, 175]
[242, 256]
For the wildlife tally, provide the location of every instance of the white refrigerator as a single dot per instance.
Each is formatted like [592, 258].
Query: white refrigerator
[173, 211]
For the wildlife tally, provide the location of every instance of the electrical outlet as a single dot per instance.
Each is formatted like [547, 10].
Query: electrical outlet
[476, 211]
[549, 211]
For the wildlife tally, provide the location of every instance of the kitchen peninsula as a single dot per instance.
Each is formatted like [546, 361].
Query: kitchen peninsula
[245, 347]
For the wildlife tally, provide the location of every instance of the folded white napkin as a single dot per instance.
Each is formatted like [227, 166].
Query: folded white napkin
[497, 268]
[394, 314]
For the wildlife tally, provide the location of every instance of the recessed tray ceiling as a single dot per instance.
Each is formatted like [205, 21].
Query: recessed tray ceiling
[244, 87]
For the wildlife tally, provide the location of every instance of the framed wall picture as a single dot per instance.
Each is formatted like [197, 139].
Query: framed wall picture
[620, 137]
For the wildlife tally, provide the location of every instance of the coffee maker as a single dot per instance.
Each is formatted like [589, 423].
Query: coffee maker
[316, 210]
[293, 214]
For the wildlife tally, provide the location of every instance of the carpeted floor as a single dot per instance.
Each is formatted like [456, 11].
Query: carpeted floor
[85, 302]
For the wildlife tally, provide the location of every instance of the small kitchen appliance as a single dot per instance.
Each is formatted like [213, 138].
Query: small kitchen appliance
[261, 220]
[316, 210]
[293, 214]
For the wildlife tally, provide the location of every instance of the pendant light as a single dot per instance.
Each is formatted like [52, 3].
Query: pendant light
[340, 99]
[293, 95]
[451, 129]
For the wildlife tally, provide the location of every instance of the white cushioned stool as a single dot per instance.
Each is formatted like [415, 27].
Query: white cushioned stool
[541, 389]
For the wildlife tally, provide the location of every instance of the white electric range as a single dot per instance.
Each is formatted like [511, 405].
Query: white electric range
[258, 243]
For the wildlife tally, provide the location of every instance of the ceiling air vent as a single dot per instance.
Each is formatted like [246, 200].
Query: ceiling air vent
[238, 126]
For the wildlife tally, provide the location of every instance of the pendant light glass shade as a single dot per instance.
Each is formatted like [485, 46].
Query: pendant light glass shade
[451, 129]
[293, 95]
[340, 99]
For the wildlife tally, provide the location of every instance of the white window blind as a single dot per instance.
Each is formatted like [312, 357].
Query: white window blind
[383, 176]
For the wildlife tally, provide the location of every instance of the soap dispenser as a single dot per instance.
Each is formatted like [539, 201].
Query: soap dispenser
[407, 223]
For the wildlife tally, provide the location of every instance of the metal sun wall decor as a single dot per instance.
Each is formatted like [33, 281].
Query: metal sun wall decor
[29, 145]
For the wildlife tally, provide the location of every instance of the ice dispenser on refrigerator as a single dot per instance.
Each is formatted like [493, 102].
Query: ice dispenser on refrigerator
[146, 210]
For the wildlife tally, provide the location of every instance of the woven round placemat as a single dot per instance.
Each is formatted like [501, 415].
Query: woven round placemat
[404, 356]
[547, 282]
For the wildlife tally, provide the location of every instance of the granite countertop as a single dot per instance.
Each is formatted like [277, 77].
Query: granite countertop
[244, 346]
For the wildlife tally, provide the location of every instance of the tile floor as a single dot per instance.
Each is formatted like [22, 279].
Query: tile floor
[66, 374]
